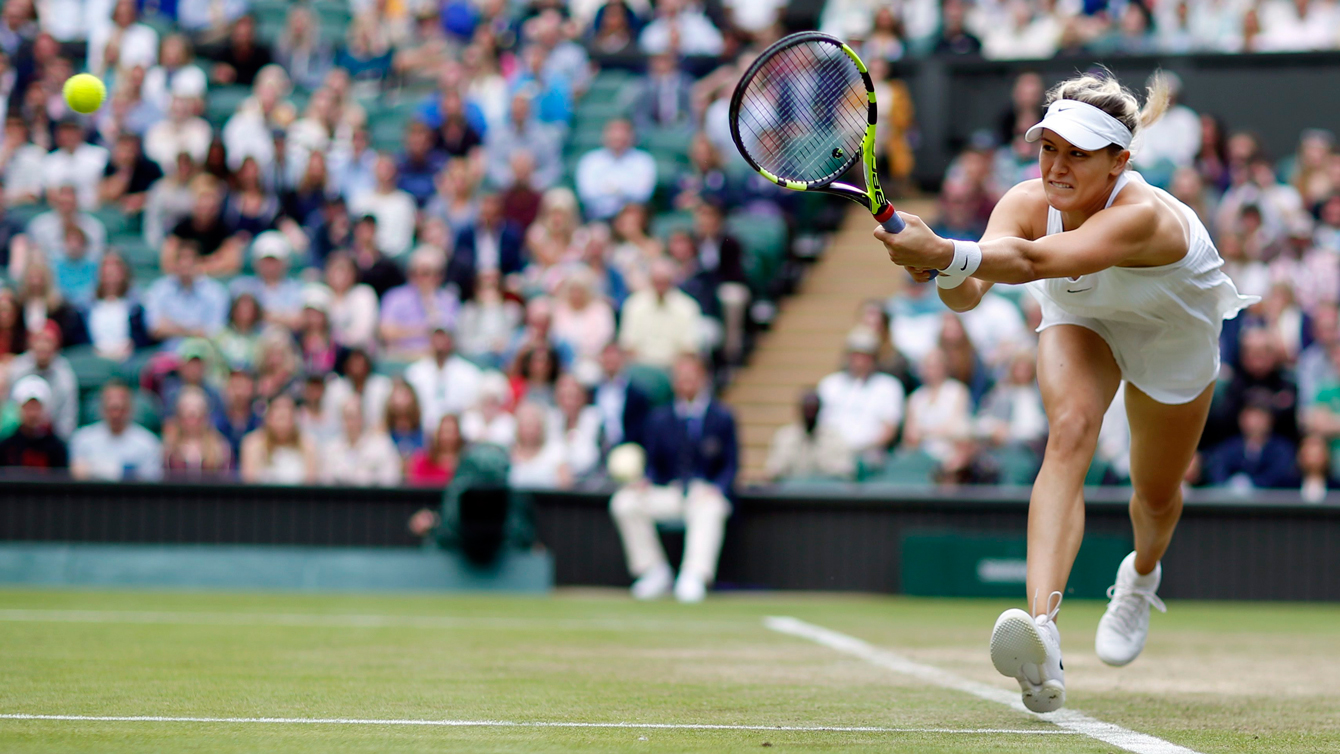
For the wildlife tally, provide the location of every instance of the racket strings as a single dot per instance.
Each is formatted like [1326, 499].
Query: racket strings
[803, 115]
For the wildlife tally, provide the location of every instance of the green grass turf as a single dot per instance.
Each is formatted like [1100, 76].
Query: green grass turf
[1215, 677]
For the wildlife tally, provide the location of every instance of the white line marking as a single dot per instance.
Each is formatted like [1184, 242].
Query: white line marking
[187, 618]
[1068, 719]
[536, 724]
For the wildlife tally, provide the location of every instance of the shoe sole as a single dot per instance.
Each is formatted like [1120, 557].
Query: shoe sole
[1016, 640]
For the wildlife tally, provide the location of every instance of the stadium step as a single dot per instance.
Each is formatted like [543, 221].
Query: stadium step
[806, 340]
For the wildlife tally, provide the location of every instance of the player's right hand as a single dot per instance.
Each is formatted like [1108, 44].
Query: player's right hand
[921, 275]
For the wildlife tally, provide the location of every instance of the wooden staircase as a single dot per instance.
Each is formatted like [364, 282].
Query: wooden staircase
[806, 340]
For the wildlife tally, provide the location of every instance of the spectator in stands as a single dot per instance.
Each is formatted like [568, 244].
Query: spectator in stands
[243, 56]
[721, 257]
[404, 419]
[939, 412]
[491, 244]
[427, 48]
[193, 370]
[47, 231]
[661, 322]
[682, 27]
[13, 332]
[21, 163]
[537, 458]
[279, 452]
[522, 130]
[1306, 170]
[435, 465]
[962, 361]
[967, 463]
[175, 60]
[170, 200]
[959, 216]
[116, 449]
[412, 311]
[218, 246]
[239, 340]
[1022, 33]
[419, 163]
[1172, 141]
[128, 176]
[352, 306]
[488, 321]
[122, 45]
[116, 324]
[75, 163]
[613, 31]
[457, 134]
[635, 248]
[623, 405]
[806, 449]
[444, 382]
[182, 130]
[1261, 377]
[316, 345]
[185, 303]
[488, 420]
[250, 208]
[1257, 457]
[1012, 413]
[33, 445]
[209, 20]
[1314, 467]
[280, 297]
[374, 269]
[705, 180]
[365, 54]
[277, 363]
[582, 321]
[574, 425]
[521, 197]
[393, 209]
[662, 99]
[863, 406]
[301, 50]
[239, 416]
[75, 274]
[193, 450]
[356, 378]
[616, 174]
[314, 415]
[456, 199]
[360, 455]
[533, 375]
[43, 359]
[41, 301]
[1315, 367]
[692, 458]
[1297, 26]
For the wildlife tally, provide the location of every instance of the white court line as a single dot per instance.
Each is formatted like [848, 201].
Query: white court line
[538, 724]
[1068, 719]
[187, 618]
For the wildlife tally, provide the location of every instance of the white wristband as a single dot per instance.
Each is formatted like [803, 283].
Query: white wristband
[967, 258]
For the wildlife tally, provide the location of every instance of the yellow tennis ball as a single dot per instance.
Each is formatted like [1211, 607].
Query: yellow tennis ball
[84, 93]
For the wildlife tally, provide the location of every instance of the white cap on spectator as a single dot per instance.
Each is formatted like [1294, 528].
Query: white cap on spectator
[316, 296]
[271, 244]
[31, 388]
[189, 82]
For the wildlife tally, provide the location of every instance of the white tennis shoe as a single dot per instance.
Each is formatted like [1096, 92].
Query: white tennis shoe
[654, 584]
[1028, 650]
[1125, 626]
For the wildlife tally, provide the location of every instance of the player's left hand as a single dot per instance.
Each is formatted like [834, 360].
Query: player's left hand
[917, 245]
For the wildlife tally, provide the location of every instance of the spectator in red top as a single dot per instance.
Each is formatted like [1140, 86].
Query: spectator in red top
[435, 465]
[33, 445]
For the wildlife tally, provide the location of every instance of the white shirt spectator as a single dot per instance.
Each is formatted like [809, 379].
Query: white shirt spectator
[200, 15]
[69, 20]
[1032, 39]
[606, 181]
[395, 212]
[159, 83]
[581, 444]
[166, 140]
[996, 328]
[449, 388]
[375, 392]
[372, 461]
[861, 411]
[137, 46]
[83, 168]
[353, 317]
[47, 232]
[500, 431]
[134, 454]
[657, 330]
[23, 174]
[1284, 30]
[754, 15]
[1174, 137]
[64, 408]
[697, 35]
[943, 415]
[538, 472]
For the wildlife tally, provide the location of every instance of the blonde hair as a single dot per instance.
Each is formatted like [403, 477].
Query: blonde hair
[1103, 91]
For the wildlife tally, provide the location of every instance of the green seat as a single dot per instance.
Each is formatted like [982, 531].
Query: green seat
[90, 370]
[666, 223]
[585, 139]
[608, 87]
[135, 249]
[652, 381]
[670, 141]
[113, 219]
[222, 102]
[391, 367]
[907, 467]
[22, 214]
[1018, 464]
[595, 114]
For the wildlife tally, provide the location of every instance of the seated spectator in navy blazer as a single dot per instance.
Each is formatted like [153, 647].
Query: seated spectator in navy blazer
[692, 457]
[623, 406]
[491, 243]
[1256, 458]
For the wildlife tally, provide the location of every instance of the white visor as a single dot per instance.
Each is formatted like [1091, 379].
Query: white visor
[1081, 124]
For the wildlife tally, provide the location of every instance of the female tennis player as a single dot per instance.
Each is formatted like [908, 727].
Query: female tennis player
[1131, 289]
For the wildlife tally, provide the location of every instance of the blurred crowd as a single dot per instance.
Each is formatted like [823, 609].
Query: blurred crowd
[955, 396]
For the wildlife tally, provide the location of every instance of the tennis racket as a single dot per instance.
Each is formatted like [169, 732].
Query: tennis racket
[804, 114]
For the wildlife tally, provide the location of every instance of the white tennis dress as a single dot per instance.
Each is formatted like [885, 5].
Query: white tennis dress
[1162, 323]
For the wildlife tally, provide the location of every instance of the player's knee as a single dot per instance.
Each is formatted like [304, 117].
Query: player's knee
[1157, 498]
[1074, 431]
